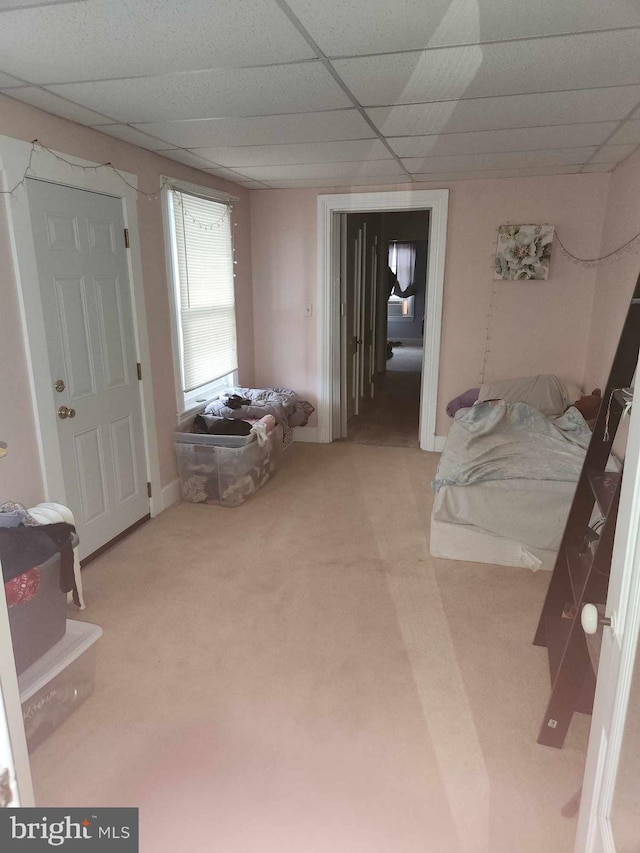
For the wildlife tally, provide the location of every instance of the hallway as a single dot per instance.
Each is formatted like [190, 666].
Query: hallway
[392, 418]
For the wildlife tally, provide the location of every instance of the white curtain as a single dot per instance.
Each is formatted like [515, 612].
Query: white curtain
[402, 262]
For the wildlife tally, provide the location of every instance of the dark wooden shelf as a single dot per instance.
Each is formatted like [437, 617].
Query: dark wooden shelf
[579, 568]
[604, 485]
[581, 572]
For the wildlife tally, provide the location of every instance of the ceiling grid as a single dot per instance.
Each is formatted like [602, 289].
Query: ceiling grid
[293, 93]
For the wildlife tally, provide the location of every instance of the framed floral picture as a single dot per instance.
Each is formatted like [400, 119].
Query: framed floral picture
[523, 252]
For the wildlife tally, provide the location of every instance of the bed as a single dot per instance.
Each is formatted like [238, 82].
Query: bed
[508, 473]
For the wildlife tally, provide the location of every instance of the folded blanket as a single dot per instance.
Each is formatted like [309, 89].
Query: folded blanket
[283, 403]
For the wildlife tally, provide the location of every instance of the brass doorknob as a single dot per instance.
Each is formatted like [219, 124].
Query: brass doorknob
[64, 413]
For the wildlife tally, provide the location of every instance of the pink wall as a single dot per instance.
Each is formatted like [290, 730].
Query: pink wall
[19, 474]
[537, 327]
[616, 278]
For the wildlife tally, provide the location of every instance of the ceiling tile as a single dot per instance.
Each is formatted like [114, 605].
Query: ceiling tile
[513, 159]
[508, 68]
[378, 26]
[211, 94]
[51, 103]
[488, 174]
[118, 38]
[135, 137]
[613, 153]
[522, 139]
[252, 185]
[263, 130]
[6, 81]
[187, 158]
[21, 4]
[324, 170]
[598, 167]
[364, 181]
[507, 112]
[227, 174]
[310, 152]
[629, 132]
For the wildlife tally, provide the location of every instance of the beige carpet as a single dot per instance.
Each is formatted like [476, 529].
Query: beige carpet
[392, 417]
[298, 675]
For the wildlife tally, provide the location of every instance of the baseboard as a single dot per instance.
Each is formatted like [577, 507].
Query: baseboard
[309, 434]
[439, 443]
[170, 494]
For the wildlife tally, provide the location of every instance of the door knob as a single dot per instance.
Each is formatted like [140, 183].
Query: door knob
[64, 413]
[59, 385]
[591, 619]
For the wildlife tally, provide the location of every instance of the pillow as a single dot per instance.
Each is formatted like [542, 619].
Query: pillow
[544, 392]
[464, 401]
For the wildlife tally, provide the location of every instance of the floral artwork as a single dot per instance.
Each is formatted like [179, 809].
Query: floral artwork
[523, 252]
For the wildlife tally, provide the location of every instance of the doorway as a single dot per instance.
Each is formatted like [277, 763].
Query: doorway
[331, 305]
[383, 288]
[75, 174]
[86, 300]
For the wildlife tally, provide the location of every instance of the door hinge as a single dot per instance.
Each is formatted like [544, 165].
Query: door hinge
[126, 238]
[139, 369]
[149, 490]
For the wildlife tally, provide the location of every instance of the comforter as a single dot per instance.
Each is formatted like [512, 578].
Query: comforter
[502, 441]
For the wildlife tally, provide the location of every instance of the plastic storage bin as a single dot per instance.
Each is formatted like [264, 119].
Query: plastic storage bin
[56, 684]
[225, 469]
[39, 623]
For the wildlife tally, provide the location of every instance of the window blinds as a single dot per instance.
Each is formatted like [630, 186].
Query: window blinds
[204, 261]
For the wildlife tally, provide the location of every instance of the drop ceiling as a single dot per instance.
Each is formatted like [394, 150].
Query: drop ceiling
[303, 93]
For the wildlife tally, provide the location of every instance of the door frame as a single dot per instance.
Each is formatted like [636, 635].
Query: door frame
[14, 754]
[617, 660]
[18, 157]
[436, 201]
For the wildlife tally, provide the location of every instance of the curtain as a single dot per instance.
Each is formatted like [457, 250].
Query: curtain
[402, 263]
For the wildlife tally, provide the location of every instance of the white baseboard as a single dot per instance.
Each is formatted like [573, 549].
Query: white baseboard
[439, 443]
[306, 434]
[170, 494]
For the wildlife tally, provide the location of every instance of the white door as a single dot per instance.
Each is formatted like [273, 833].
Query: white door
[15, 773]
[597, 831]
[86, 301]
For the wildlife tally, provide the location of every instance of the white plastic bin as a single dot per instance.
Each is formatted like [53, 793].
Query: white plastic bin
[58, 682]
[227, 469]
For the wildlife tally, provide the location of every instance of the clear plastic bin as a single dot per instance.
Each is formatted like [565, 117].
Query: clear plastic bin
[225, 470]
[58, 682]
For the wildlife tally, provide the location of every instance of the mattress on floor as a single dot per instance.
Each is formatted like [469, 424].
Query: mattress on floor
[529, 514]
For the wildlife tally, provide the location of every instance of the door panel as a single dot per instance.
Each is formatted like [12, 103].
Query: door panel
[86, 301]
[112, 336]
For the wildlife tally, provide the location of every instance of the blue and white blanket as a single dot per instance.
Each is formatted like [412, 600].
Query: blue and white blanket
[505, 441]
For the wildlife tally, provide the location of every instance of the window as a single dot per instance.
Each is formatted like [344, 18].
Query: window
[201, 255]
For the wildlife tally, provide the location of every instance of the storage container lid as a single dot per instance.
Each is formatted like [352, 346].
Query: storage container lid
[79, 636]
[214, 440]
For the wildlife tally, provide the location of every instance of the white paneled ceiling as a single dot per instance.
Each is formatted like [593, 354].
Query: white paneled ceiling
[286, 93]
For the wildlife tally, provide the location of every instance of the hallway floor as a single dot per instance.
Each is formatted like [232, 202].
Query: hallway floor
[298, 675]
[392, 418]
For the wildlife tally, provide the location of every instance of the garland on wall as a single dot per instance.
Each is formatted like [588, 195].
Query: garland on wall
[166, 183]
[631, 246]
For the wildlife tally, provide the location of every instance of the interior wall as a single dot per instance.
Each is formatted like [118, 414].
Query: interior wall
[20, 470]
[536, 327]
[615, 279]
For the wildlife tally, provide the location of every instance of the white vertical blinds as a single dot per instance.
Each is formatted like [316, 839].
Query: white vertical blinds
[204, 260]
